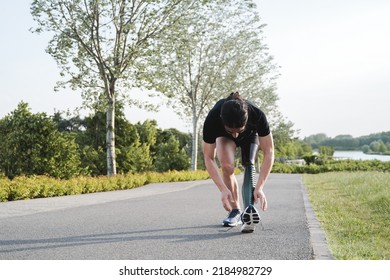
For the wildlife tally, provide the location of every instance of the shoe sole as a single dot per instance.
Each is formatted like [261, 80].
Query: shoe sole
[231, 224]
[250, 219]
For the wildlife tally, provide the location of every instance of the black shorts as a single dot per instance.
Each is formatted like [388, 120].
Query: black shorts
[248, 151]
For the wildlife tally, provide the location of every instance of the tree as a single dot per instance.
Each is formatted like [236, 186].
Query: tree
[382, 147]
[98, 45]
[316, 139]
[283, 133]
[218, 50]
[69, 124]
[183, 138]
[137, 145]
[30, 144]
[366, 149]
[136, 157]
[374, 146]
[133, 143]
[170, 156]
[148, 132]
[326, 151]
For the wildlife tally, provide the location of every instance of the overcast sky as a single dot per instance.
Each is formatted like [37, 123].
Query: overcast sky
[334, 59]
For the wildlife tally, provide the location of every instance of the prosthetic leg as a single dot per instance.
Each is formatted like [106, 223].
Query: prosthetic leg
[249, 176]
[250, 217]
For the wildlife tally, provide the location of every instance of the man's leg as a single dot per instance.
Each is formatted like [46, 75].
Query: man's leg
[248, 153]
[225, 152]
[250, 215]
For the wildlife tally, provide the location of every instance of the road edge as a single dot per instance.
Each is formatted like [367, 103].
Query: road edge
[317, 235]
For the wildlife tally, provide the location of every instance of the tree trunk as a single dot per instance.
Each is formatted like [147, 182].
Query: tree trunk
[194, 157]
[110, 138]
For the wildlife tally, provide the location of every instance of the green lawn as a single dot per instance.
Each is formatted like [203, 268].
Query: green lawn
[354, 210]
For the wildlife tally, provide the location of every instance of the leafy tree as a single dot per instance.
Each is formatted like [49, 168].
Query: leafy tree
[133, 152]
[284, 135]
[70, 124]
[171, 157]
[326, 151]
[148, 132]
[183, 138]
[30, 144]
[342, 142]
[373, 143]
[366, 148]
[137, 145]
[292, 149]
[218, 50]
[374, 146]
[184, 142]
[98, 45]
[93, 160]
[136, 157]
[316, 139]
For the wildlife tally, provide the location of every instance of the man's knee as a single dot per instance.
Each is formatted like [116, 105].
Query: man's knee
[227, 168]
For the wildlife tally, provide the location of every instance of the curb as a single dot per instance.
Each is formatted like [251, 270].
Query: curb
[317, 235]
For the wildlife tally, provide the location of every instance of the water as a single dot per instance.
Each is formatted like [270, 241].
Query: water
[358, 155]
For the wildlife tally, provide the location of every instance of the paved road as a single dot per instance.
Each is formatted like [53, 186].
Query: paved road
[160, 221]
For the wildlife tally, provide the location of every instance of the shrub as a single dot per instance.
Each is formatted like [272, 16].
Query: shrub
[4, 189]
[31, 144]
[23, 187]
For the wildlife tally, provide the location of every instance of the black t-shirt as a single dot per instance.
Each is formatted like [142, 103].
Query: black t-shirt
[214, 128]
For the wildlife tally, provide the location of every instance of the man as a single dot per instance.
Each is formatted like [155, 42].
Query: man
[234, 122]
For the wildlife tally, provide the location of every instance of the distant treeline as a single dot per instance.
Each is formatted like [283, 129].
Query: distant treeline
[378, 143]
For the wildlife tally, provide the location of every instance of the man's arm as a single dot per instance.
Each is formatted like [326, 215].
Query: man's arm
[267, 146]
[209, 152]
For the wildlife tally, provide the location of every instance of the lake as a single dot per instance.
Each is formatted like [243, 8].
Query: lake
[359, 155]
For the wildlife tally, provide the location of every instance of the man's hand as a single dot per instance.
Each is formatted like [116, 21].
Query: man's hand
[259, 195]
[227, 198]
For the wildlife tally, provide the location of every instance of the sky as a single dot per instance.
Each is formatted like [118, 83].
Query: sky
[334, 59]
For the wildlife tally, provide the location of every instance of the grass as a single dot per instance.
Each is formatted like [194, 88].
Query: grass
[354, 210]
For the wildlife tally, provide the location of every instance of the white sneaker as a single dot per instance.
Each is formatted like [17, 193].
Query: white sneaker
[250, 218]
[233, 219]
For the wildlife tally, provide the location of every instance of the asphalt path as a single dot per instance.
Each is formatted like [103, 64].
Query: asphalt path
[170, 221]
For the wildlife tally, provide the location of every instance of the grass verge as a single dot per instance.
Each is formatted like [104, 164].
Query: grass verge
[354, 210]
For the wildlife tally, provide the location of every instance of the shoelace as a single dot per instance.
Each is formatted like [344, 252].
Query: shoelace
[234, 213]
